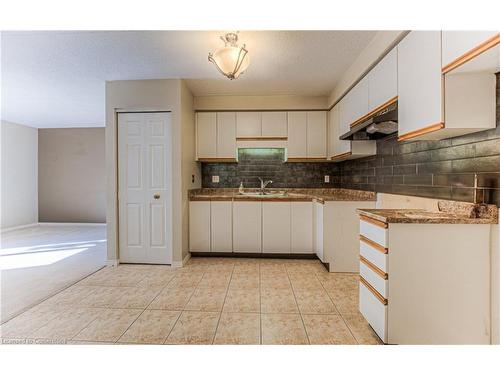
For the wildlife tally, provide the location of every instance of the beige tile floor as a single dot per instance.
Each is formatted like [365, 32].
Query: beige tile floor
[210, 301]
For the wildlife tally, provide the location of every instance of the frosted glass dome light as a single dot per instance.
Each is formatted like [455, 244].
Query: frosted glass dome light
[230, 60]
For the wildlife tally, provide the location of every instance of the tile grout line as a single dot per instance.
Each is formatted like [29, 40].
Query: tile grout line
[145, 308]
[183, 308]
[298, 308]
[223, 303]
[339, 313]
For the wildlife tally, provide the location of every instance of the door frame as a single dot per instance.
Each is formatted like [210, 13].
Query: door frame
[117, 176]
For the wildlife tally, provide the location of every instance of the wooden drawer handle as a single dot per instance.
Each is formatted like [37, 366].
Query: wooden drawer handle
[373, 244]
[378, 223]
[373, 290]
[373, 267]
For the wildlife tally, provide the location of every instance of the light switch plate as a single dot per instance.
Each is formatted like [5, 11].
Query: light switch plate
[327, 178]
[215, 179]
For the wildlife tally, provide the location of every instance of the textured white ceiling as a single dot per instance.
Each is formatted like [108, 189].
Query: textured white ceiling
[56, 79]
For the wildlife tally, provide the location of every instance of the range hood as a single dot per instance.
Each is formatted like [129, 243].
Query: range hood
[381, 124]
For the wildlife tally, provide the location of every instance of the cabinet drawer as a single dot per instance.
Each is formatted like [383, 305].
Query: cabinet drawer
[374, 230]
[374, 276]
[374, 310]
[373, 252]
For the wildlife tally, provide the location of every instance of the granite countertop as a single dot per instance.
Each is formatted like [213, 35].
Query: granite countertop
[299, 195]
[449, 212]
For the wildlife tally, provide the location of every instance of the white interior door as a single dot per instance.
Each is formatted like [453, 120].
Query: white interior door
[145, 187]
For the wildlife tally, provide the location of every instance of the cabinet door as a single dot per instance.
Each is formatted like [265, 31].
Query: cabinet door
[226, 135]
[247, 227]
[318, 230]
[420, 87]
[337, 146]
[383, 81]
[274, 124]
[248, 124]
[276, 227]
[458, 43]
[297, 134]
[206, 133]
[301, 227]
[316, 134]
[355, 103]
[199, 226]
[222, 226]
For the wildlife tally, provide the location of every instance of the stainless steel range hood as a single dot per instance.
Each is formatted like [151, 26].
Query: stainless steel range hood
[381, 124]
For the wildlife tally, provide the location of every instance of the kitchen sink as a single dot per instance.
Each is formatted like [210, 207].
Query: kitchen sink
[266, 194]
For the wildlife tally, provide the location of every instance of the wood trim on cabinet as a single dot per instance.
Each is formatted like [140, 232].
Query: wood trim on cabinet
[373, 290]
[296, 160]
[373, 267]
[422, 131]
[261, 138]
[373, 244]
[218, 160]
[469, 55]
[341, 156]
[372, 112]
[378, 223]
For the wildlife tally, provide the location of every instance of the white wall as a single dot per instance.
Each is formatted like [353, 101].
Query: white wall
[255, 102]
[72, 175]
[158, 94]
[19, 175]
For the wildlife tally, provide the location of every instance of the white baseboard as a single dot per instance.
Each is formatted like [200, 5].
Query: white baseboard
[112, 262]
[71, 224]
[183, 262]
[25, 226]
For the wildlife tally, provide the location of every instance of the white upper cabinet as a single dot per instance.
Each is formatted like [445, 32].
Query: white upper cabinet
[383, 81]
[462, 45]
[316, 134]
[206, 132]
[355, 104]
[274, 124]
[340, 149]
[336, 146]
[420, 84]
[297, 135]
[248, 124]
[226, 135]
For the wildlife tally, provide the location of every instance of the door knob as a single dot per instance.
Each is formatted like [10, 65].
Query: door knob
[156, 196]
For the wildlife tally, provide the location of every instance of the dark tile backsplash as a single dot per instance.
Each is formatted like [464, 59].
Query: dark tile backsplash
[436, 169]
[465, 168]
[268, 164]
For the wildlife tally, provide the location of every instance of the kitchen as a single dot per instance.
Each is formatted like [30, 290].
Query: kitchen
[424, 70]
[240, 210]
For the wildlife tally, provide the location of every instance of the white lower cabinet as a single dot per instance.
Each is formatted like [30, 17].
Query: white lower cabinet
[318, 231]
[247, 227]
[374, 311]
[221, 218]
[276, 227]
[199, 226]
[301, 228]
[419, 282]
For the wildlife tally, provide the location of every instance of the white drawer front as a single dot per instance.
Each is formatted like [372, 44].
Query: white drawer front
[373, 255]
[374, 311]
[374, 233]
[374, 279]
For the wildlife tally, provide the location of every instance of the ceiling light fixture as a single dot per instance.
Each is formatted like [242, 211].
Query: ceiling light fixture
[231, 60]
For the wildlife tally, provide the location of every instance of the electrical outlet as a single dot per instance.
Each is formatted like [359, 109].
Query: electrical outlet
[215, 179]
[327, 178]
[192, 178]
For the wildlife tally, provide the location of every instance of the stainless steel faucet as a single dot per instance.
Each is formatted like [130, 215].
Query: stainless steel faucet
[263, 184]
